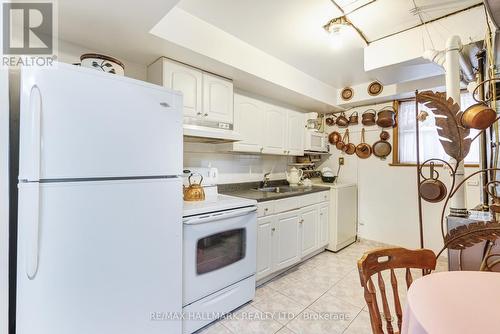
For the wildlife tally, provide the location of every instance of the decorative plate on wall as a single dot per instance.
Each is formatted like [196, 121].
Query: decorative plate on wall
[347, 93]
[375, 88]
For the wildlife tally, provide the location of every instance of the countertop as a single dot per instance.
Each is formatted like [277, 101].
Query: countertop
[248, 190]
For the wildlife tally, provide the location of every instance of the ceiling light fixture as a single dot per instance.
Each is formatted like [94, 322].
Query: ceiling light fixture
[336, 24]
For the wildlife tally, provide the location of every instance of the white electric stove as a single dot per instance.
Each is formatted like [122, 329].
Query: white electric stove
[219, 253]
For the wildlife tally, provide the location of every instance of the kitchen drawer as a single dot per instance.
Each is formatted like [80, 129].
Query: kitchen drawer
[265, 208]
[287, 204]
[311, 199]
[324, 196]
[216, 304]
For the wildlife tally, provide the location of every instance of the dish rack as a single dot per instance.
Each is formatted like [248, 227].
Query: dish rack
[309, 169]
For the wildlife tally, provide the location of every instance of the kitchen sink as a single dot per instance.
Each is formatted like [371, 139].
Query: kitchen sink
[277, 190]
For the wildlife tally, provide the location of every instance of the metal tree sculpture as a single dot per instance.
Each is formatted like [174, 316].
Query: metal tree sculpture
[456, 142]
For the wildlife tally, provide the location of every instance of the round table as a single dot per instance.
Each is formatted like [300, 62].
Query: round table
[452, 303]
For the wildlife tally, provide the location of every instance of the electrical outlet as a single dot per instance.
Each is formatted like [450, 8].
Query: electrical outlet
[341, 161]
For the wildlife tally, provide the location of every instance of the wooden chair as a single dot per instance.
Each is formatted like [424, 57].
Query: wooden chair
[379, 260]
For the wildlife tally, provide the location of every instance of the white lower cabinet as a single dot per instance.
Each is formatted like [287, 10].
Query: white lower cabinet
[286, 242]
[265, 231]
[288, 233]
[309, 229]
[323, 224]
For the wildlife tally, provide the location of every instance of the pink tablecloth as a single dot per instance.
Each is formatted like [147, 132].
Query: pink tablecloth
[453, 303]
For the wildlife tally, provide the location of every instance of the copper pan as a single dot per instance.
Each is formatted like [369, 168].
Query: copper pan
[334, 137]
[382, 148]
[363, 150]
[478, 116]
[432, 189]
[349, 147]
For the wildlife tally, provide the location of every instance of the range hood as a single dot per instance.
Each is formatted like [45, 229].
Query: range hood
[204, 134]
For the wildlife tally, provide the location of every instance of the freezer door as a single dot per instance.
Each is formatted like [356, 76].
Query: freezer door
[81, 123]
[100, 257]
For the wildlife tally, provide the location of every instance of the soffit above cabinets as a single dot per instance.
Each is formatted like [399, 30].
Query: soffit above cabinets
[291, 30]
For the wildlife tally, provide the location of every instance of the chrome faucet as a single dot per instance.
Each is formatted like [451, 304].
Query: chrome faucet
[265, 182]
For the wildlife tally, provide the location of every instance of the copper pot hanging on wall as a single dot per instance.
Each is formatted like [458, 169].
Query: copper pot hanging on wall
[342, 120]
[330, 120]
[368, 117]
[353, 118]
[386, 117]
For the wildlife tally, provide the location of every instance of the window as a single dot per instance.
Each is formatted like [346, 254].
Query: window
[430, 146]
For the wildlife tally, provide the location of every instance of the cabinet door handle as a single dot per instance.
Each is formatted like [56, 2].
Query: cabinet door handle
[266, 209]
[301, 221]
[206, 114]
[273, 229]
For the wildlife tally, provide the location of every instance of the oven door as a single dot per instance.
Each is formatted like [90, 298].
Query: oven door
[219, 250]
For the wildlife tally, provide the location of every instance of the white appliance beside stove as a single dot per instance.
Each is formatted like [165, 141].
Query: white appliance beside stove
[343, 214]
[219, 253]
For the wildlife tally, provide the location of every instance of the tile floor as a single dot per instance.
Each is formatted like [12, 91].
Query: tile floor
[321, 295]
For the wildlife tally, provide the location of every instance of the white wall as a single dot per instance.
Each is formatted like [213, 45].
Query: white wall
[4, 201]
[234, 167]
[387, 195]
[70, 53]
[251, 68]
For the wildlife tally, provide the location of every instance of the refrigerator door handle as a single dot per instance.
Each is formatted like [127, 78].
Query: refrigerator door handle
[33, 226]
[36, 129]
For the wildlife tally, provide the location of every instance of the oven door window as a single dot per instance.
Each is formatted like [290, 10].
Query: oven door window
[219, 250]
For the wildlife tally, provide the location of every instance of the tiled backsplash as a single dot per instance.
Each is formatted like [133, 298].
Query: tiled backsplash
[234, 167]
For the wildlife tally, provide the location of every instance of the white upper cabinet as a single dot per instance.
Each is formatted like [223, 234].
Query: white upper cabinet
[217, 99]
[275, 126]
[295, 133]
[267, 128]
[249, 123]
[205, 96]
[188, 81]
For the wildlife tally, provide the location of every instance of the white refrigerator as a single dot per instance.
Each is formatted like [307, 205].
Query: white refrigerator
[100, 204]
[4, 200]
